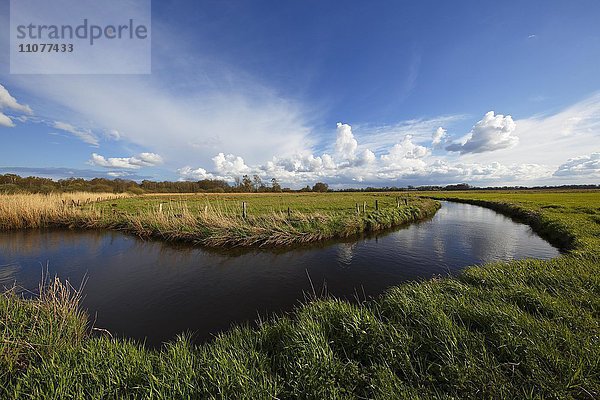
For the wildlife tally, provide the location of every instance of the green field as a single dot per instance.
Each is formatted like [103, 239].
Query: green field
[217, 220]
[259, 204]
[512, 330]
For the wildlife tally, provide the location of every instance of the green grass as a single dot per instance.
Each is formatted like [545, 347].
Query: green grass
[260, 204]
[215, 220]
[516, 330]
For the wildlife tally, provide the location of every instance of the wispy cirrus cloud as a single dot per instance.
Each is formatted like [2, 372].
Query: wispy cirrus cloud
[85, 135]
[379, 138]
[194, 105]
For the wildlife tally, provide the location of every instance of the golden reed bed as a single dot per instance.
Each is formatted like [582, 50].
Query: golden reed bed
[19, 211]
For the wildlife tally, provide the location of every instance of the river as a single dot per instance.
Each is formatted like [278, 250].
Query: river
[151, 291]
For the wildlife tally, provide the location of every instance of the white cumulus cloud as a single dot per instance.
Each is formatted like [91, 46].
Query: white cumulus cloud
[367, 157]
[580, 166]
[345, 143]
[226, 167]
[134, 162]
[299, 163]
[8, 101]
[347, 149]
[493, 132]
[230, 165]
[188, 173]
[405, 150]
[438, 136]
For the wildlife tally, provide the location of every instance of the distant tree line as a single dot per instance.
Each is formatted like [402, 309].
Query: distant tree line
[11, 183]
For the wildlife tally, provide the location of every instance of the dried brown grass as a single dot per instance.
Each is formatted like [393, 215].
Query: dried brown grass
[20, 211]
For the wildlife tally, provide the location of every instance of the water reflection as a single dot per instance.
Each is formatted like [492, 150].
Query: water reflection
[156, 290]
[345, 253]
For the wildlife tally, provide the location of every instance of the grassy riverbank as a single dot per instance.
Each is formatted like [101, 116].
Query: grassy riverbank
[568, 219]
[217, 220]
[526, 329]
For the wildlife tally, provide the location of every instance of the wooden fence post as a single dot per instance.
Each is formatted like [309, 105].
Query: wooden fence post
[376, 205]
[160, 208]
[244, 210]
[289, 212]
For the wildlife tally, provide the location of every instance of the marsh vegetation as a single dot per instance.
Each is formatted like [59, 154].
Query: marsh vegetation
[218, 220]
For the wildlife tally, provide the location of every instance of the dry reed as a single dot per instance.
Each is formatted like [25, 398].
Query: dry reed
[19, 211]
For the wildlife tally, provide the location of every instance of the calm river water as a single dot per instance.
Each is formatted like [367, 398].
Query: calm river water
[151, 291]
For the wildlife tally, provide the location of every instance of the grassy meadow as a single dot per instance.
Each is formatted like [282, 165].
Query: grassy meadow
[526, 329]
[216, 220]
[260, 204]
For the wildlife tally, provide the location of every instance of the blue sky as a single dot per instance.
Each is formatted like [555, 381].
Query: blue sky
[371, 93]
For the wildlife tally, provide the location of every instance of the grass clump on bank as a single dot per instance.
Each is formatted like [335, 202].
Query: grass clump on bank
[211, 220]
[568, 219]
[525, 329]
[33, 330]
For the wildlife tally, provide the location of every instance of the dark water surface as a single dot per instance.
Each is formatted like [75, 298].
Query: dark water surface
[153, 290]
